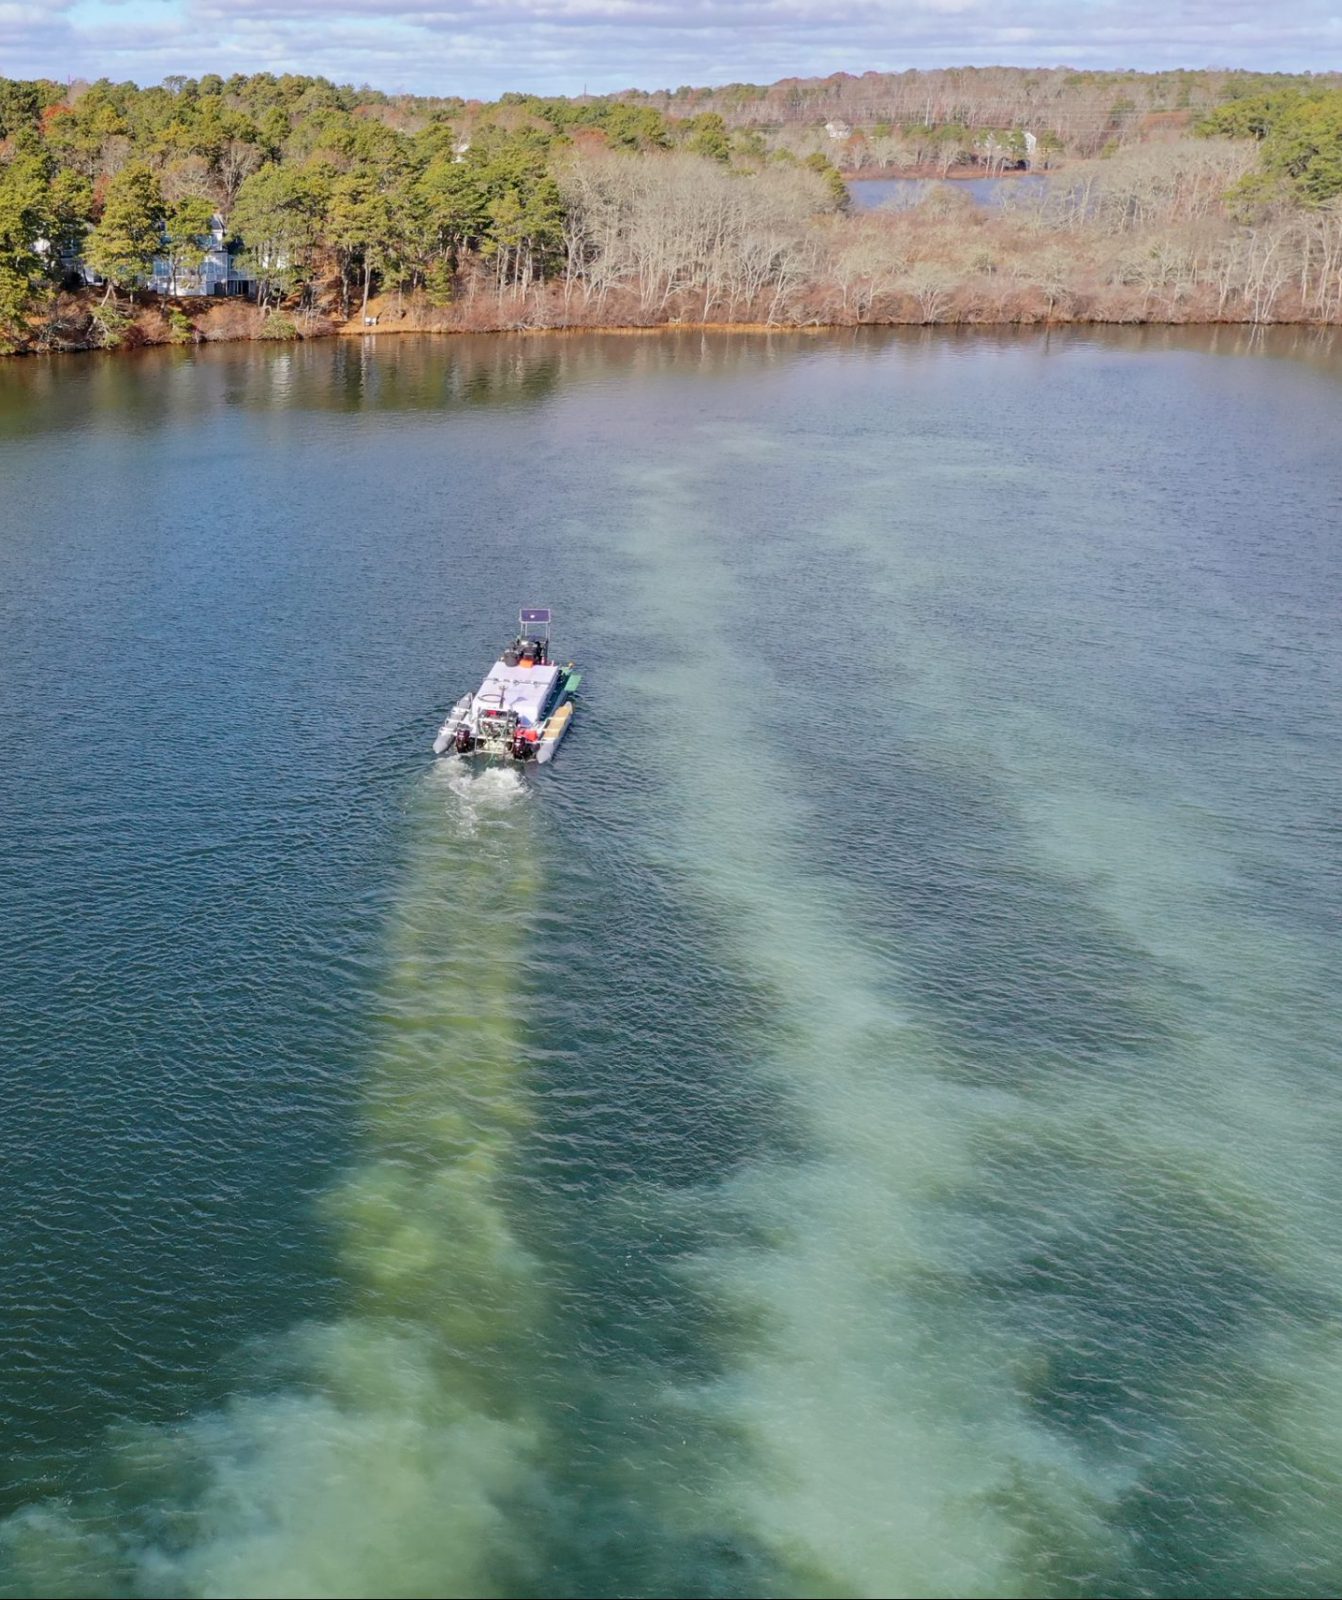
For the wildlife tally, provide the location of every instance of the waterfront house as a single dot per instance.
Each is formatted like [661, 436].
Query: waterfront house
[66, 266]
[219, 273]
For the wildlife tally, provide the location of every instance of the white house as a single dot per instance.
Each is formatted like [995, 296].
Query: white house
[838, 129]
[66, 265]
[218, 272]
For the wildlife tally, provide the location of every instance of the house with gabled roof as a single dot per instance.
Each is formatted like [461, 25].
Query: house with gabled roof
[220, 271]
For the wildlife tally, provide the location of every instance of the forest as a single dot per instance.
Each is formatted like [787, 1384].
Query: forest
[1171, 197]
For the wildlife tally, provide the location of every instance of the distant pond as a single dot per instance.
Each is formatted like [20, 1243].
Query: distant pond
[868, 193]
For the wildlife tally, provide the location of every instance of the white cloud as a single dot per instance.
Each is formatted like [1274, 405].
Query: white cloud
[481, 47]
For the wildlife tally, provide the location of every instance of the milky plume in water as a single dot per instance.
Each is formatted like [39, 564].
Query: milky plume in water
[391, 1458]
[876, 1439]
[1218, 1137]
[888, 1427]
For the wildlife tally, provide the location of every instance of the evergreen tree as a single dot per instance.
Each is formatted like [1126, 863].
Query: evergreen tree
[1305, 147]
[453, 203]
[69, 212]
[838, 189]
[130, 232]
[188, 230]
[278, 212]
[22, 216]
[1301, 136]
[359, 225]
[708, 137]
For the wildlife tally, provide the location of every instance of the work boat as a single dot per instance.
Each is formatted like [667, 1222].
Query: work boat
[524, 706]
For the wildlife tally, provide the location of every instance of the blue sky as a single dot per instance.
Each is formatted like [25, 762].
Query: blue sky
[482, 47]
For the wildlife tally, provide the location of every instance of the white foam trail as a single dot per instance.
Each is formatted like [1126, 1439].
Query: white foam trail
[392, 1464]
[882, 1446]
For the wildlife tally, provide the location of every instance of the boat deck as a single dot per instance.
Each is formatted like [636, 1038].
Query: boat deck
[524, 690]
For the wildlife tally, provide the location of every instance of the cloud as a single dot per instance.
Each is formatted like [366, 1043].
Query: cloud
[482, 47]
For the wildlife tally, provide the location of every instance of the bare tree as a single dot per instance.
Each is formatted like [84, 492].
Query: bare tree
[236, 162]
[864, 269]
[932, 287]
[677, 227]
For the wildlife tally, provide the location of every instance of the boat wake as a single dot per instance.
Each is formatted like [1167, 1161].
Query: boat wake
[396, 1441]
[473, 795]
[867, 1436]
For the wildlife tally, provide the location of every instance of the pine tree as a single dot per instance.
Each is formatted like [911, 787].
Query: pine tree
[188, 224]
[22, 215]
[123, 245]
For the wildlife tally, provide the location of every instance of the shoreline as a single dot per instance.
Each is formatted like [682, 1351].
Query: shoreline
[351, 330]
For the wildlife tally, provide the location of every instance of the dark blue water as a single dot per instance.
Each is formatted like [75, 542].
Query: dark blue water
[864, 1121]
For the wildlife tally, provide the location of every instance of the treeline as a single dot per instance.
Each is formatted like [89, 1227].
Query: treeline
[1170, 232]
[988, 119]
[1082, 113]
[318, 181]
[549, 212]
[1299, 129]
[1156, 233]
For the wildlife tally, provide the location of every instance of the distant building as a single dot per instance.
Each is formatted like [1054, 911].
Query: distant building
[838, 130]
[219, 271]
[67, 266]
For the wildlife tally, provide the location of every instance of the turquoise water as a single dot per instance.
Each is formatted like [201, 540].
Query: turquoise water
[864, 1121]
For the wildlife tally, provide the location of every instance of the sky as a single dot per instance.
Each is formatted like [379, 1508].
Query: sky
[482, 47]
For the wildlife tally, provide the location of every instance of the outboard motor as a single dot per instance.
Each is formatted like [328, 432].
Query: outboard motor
[463, 740]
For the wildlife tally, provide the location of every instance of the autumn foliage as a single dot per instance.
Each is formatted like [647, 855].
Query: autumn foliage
[1171, 197]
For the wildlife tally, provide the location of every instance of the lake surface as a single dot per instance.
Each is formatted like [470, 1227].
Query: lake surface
[900, 193]
[864, 1121]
